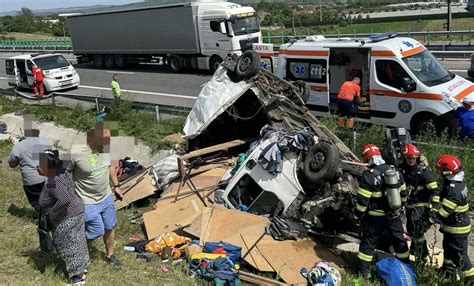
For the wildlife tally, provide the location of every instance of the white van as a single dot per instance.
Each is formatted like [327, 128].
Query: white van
[59, 74]
[403, 83]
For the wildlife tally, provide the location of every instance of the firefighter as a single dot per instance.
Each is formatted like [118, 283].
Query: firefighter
[38, 83]
[423, 197]
[453, 216]
[377, 209]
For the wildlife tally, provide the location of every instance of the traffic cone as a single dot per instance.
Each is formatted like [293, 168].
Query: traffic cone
[341, 121]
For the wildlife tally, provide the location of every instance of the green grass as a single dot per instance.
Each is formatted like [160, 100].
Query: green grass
[22, 262]
[139, 123]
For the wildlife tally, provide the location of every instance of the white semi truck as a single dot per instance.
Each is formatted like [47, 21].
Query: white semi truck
[196, 35]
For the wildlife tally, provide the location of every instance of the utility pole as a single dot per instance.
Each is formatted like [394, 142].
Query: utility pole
[448, 24]
[320, 12]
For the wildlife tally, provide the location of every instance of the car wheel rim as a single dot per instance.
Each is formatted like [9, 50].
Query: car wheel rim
[317, 162]
[245, 64]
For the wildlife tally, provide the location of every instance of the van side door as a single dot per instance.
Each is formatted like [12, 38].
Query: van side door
[13, 78]
[29, 72]
[312, 67]
[390, 104]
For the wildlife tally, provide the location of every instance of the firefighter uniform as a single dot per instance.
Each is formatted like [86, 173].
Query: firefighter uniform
[456, 225]
[423, 198]
[377, 217]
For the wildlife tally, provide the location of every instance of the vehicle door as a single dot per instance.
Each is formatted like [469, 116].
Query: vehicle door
[311, 67]
[214, 36]
[13, 78]
[391, 102]
[29, 72]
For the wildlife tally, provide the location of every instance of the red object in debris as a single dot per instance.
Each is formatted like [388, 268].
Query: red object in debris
[219, 250]
[134, 238]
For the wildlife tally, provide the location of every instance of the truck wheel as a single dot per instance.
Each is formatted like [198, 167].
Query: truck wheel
[321, 163]
[109, 61]
[173, 63]
[214, 63]
[119, 61]
[247, 65]
[99, 61]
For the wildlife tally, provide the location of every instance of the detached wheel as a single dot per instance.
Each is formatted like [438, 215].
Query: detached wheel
[174, 63]
[247, 65]
[214, 63]
[321, 163]
[109, 61]
[98, 61]
[119, 61]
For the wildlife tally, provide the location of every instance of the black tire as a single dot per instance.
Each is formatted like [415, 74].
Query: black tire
[99, 61]
[109, 61]
[321, 163]
[174, 63]
[247, 65]
[214, 63]
[120, 61]
[426, 124]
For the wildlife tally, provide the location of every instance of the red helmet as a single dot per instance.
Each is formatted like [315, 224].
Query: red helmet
[410, 150]
[448, 164]
[370, 150]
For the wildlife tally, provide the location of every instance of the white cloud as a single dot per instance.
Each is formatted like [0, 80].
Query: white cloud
[11, 5]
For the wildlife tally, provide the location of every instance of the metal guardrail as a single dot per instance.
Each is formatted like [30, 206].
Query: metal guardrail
[37, 45]
[426, 35]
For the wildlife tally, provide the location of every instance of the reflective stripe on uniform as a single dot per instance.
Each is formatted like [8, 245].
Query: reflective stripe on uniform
[456, 229]
[364, 192]
[376, 194]
[365, 257]
[403, 255]
[462, 209]
[435, 199]
[404, 199]
[403, 187]
[361, 208]
[449, 203]
[432, 185]
[469, 272]
[376, 213]
[443, 213]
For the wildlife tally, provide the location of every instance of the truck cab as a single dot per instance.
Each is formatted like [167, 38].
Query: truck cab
[226, 28]
[402, 83]
[58, 72]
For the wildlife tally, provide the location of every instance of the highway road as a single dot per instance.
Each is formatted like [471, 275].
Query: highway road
[153, 80]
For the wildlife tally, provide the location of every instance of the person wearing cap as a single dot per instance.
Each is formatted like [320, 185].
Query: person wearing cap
[465, 116]
[454, 219]
[349, 91]
[423, 198]
[373, 210]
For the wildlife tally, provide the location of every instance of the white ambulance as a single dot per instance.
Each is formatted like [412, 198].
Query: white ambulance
[59, 74]
[403, 84]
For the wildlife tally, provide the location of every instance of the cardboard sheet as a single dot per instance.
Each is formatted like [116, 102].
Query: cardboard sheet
[136, 189]
[170, 212]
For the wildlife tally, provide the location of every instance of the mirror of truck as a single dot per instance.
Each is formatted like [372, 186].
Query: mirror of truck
[408, 84]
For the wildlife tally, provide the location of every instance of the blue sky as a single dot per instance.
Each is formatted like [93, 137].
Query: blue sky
[11, 5]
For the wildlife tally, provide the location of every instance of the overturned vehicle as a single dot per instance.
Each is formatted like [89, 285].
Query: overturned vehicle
[293, 166]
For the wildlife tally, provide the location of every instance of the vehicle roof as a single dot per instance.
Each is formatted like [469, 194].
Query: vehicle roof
[33, 56]
[396, 46]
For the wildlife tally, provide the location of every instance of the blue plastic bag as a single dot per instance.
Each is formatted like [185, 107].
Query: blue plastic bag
[395, 273]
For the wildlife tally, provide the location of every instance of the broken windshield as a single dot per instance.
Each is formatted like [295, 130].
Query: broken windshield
[245, 25]
[52, 62]
[428, 69]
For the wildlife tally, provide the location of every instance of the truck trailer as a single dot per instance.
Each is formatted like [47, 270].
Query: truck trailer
[197, 35]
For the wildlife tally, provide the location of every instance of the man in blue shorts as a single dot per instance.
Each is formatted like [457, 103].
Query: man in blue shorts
[91, 169]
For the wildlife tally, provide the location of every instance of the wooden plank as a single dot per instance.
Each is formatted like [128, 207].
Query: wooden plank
[212, 149]
[141, 190]
[257, 279]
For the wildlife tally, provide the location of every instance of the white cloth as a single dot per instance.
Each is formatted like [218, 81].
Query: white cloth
[376, 160]
[469, 98]
[459, 177]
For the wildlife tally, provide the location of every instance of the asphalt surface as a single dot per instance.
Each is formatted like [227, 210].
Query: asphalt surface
[149, 81]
